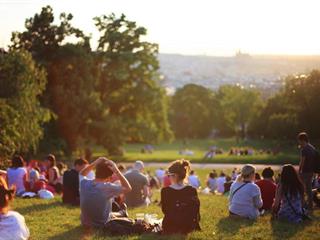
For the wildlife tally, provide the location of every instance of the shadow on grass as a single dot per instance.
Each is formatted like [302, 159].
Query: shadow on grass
[285, 230]
[231, 225]
[75, 233]
[40, 207]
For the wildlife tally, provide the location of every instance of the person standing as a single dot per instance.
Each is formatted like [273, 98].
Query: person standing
[306, 166]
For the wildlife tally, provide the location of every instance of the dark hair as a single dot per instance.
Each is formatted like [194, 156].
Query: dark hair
[222, 174]
[213, 175]
[191, 172]
[6, 195]
[121, 167]
[52, 159]
[103, 170]
[17, 161]
[181, 168]
[80, 162]
[228, 178]
[303, 136]
[290, 181]
[267, 172]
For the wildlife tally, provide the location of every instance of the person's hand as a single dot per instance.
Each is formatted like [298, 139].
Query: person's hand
[113, 166]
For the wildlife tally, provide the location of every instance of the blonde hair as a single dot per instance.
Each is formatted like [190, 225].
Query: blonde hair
[246, 171]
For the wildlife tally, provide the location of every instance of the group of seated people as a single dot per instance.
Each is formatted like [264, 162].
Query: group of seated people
[104, 190]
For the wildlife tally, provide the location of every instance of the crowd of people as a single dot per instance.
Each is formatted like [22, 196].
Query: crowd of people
[104, 190]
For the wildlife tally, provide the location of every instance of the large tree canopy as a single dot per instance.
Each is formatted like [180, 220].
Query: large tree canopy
[21, 116]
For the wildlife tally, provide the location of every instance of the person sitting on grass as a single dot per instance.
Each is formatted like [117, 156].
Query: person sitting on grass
[12, 224]
[212, 182]
[17, 175]
[245, 197]
[193, 180]
[70, 190]
[267, 188]
[179, 202]
[140, 194]
[289, 196]
[221, 180]
[96, 195]
[53, 173]
[227, 185]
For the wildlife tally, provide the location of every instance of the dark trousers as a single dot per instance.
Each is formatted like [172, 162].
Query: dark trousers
[307, 181]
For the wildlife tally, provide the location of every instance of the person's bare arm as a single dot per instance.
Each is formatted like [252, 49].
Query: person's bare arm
[126, 187]
[302, 161]
[51, 176]
[146, 191]
[85, 171]
[3, 173]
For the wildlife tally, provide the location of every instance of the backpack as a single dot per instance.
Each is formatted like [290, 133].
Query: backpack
[316, 163]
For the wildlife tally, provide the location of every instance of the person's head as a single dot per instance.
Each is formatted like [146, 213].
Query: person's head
[179, 170]
[79, 164]
[257, 176]
[6, 196]
[248, 172]
[121, 168]
[303, 138]
[213, 175]
[17, 161]
[138, 165]
[290, 181]
[228, 178]
[103, 171]
[61, 166]
[222, 174]
[192, 172]
[267, 173]
[50, 161]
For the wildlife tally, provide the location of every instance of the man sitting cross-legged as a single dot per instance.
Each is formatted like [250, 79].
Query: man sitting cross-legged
[96, 195]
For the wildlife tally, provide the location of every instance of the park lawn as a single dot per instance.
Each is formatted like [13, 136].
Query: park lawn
[49, 219]
[167, 152]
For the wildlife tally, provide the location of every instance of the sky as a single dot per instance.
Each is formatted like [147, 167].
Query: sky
[192, 27]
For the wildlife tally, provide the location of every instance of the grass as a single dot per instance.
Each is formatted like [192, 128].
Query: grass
[49, 219]
[167, 152]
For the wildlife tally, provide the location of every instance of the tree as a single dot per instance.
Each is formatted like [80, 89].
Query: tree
[134, 102]
[21, 116]
[239, 107]
[193, 111]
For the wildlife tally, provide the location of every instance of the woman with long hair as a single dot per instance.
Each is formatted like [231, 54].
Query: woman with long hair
[12, 224]
[180, 203]
[289, 196]
[17, 175]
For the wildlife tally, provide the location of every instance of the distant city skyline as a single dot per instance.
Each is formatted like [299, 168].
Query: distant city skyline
[190, 27]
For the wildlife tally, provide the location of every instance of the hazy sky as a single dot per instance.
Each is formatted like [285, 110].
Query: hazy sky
[212, 27]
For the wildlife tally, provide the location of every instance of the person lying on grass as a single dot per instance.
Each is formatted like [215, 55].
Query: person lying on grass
[12, 224]
[245, 197]
[96, 195]
[179, 202]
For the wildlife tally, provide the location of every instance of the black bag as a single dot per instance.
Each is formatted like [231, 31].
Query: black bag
[127, 226]
[316, 163]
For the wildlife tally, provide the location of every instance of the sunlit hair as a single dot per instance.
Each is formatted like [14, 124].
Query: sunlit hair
[6, 195]
[303, 136]
[246, 171]
[181, 168]
[290, 181]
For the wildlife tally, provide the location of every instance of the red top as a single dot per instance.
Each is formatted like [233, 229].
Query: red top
[268, 192]
[166, 181]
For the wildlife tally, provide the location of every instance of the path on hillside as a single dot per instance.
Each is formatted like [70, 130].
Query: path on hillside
[214, 165]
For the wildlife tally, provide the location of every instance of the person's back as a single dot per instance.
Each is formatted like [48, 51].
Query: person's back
[181, 210]
[241, 202]
[96, 202]
[212, 184]
[194, 181]
[291, 208]
[268, 191]
[13, 226]
[16, 178]
[138, 182]
[220, 183]
[71, 187]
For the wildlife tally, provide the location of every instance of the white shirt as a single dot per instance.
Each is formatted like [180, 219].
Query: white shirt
[15, 177]
[90, 176]
[160, 174]
[13, 227]
[212, 184]
[194, 181]
[220, 184]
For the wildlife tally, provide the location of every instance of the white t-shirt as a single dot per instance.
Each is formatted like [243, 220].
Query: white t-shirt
[212, 184]
[13, 227]
[15, 177]
[194, 181]
[160, 174]
[220, 184]
[90, 176]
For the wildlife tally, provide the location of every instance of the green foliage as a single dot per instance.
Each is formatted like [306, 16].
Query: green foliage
[134, 101]
[239, 107]
[21, 116]
[193, 111]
